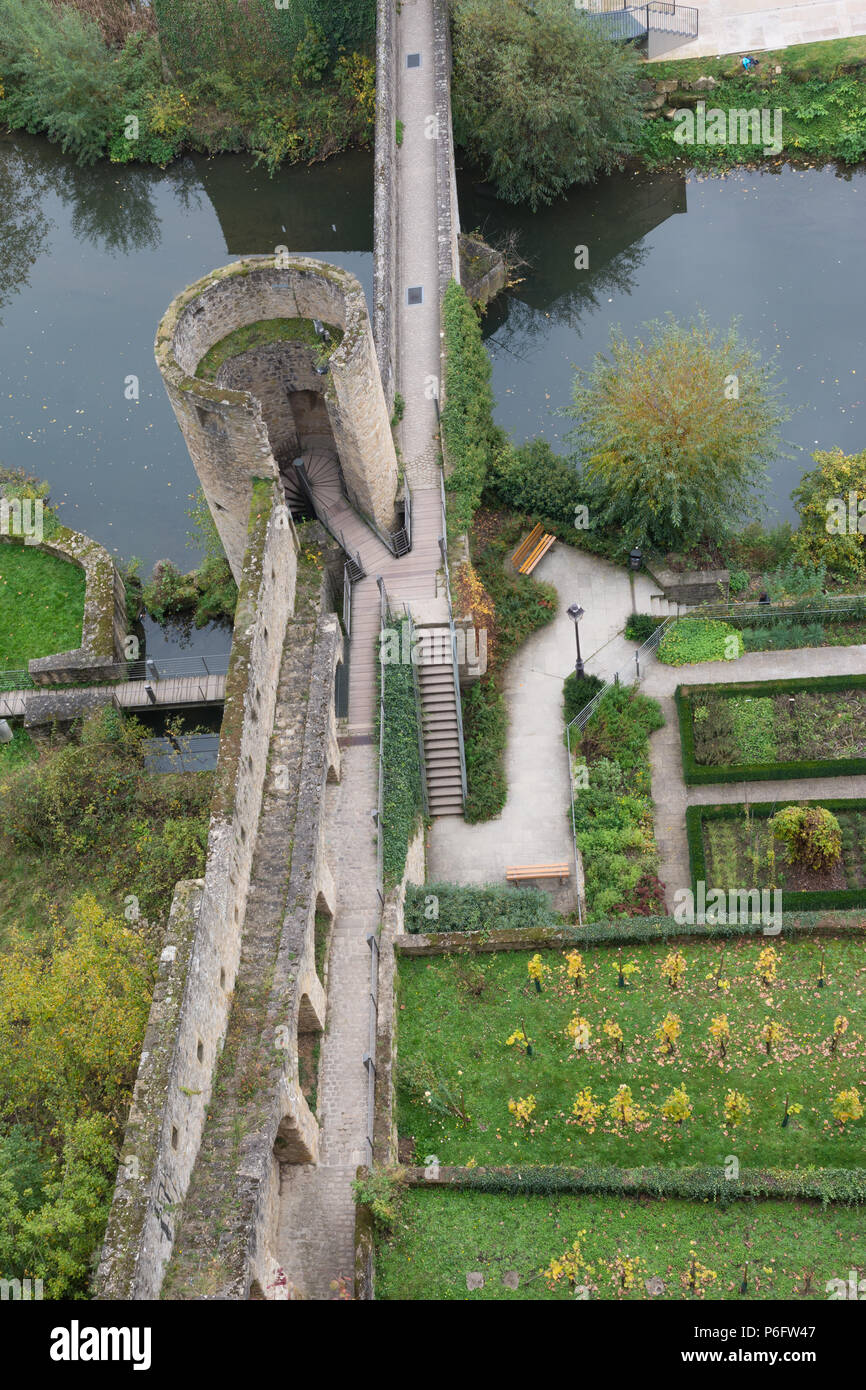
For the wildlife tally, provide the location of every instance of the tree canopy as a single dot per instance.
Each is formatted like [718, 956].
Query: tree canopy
[674, 431]
[539, 99]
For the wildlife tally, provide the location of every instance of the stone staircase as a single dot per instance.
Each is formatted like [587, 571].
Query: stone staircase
[439, 721]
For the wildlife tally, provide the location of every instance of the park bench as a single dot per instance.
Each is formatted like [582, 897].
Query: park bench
[518, 873]
[531, 550]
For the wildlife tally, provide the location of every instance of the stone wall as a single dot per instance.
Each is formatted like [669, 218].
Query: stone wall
[191, 1004]
[103, 631]
[448, 213]
[226, 427]
[385, 1127]
[690, 586]
[385, 196]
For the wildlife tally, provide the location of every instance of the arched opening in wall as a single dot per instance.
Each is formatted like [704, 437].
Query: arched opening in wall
[341, 700]
[256, 1292]
[324, 921]
[309, 1038]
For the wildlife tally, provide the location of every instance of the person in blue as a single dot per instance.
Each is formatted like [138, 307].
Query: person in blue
[749, 62]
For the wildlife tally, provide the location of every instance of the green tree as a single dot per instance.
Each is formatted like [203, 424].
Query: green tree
[540, 100]
[675, 431]
[831, 528]
[60, 78]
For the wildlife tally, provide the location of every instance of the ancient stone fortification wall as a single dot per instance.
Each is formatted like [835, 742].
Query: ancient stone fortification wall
[226, 1245]
[385, 1127]
[448, 214]
[226, 429]
[385, 196]
[199, 963]
[103, 629]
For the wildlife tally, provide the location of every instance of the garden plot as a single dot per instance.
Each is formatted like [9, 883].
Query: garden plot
[652, 1054]
[484, 1245]
[762, 730]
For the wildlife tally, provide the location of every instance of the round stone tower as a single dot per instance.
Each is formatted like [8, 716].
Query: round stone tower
[268, 362]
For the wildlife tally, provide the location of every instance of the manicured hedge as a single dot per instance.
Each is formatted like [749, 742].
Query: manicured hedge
[630, 931]
[695, 774]
[762, 810]
[706, 1183]
[402, 802]
[462, 909]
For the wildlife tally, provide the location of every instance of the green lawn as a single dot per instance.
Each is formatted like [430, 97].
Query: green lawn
[811, 59]
[456, 1014]
[443, 1236]
[41, 604]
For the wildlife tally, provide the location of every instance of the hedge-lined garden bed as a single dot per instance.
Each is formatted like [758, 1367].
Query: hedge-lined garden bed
[731, 847]
[755, 731]
[493, 1070]
[510, 1246]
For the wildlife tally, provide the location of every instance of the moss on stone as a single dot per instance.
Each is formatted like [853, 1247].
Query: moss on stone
[260, 334]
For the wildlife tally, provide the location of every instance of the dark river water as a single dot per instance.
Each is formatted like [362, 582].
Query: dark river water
[89, 260]
[783, 251]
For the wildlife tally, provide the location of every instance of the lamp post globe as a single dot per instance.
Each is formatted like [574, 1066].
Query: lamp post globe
[575, 612]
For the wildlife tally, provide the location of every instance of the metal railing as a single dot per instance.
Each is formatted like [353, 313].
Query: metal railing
[384, 613]
[402, 537]
[443, 547]
[637, 21]
[416, 687]
[369, 1058]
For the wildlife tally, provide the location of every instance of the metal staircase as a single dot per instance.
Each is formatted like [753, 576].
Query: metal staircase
[658, 26]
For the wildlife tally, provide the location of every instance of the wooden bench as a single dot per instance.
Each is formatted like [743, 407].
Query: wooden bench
[518, 873]
[531, 550]
[527, 546]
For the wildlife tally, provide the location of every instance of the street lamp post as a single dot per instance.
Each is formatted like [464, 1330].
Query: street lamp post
[635, 560]
[575, 612]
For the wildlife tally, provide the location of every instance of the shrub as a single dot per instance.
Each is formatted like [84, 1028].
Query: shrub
[474, 909]
[699, 639]
[541, 101]
[60, 78]
[485, 731]
[402, 801]
[578, 693]
[821, 498]
[469, 435]
[641, 626]
[811, 834]
[534, 481]
[689, 466]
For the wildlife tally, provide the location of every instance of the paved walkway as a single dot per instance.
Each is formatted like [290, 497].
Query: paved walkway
[534, 827]
[744, 26]
[315, 1239]
[317, 1213]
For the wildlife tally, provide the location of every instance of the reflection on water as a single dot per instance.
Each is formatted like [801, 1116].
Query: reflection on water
[782, 249]
[89, 260]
